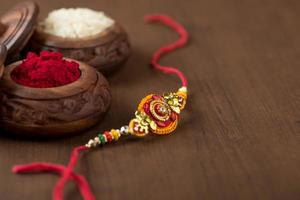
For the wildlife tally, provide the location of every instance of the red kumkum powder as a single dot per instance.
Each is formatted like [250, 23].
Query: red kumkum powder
[45, 71]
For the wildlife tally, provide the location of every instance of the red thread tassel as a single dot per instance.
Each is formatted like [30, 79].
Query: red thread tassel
[81, 182]
[58, 189]
[65, 172]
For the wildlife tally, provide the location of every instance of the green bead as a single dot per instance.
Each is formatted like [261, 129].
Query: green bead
[101, 138]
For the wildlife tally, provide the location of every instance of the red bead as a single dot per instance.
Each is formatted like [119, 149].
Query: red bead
[108, 136]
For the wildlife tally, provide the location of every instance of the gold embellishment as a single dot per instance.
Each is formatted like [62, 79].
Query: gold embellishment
[175, 100]
[140, 125]
[160, 110]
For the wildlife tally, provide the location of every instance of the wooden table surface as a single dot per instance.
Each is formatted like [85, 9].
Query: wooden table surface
[239, 136]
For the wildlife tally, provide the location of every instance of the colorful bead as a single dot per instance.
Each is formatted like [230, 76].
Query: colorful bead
[108, 136]
[102, 139]
[90, 143]
[115, 133]
[124, 130]
[96, 140]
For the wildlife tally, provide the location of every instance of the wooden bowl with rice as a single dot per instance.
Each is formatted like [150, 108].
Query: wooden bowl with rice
[104, 46]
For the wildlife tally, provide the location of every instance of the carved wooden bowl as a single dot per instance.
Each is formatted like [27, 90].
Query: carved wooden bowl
[53, 111]
[105, 51]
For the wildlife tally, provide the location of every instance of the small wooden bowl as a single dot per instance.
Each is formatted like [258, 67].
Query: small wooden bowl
[105, 51]
[56, 111]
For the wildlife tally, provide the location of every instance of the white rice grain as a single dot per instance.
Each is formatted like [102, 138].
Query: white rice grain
[75, 22]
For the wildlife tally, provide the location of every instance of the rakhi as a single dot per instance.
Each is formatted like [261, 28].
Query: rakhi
[156, 114]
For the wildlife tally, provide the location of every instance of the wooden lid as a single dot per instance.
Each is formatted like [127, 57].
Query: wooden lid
[2, 58]
[17, 25]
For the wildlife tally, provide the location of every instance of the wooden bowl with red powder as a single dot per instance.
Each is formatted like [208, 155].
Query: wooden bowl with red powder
[39, 99]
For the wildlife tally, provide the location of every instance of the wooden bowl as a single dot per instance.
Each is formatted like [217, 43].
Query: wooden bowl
[56, 111]
[105, 51]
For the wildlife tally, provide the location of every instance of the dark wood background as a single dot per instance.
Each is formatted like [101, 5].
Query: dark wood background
[239, 136]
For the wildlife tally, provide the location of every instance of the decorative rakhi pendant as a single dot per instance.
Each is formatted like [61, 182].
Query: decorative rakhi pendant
[155, 114]
[158, 114]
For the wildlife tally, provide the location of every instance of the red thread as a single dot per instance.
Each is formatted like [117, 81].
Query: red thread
[81, 182]
[58, 189]
[166, 20]
[67, 172]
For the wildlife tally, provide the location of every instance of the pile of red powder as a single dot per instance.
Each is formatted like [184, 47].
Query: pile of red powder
[45, 71]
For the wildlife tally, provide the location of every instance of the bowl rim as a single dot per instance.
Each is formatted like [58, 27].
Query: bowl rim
[87, 78]
[53, 41]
